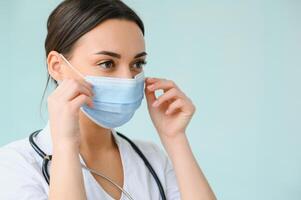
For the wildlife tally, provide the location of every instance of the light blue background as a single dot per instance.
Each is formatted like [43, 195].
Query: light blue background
[239, 61]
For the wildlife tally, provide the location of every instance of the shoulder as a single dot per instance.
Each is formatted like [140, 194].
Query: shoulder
[16, 151]
[17, 155]
[19, 171]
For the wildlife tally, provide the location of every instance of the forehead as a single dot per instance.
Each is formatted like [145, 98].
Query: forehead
[117, 35]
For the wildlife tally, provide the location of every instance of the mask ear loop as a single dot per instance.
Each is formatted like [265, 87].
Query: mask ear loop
[76, 70]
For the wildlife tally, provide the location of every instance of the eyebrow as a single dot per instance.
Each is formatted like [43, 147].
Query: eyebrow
[116, 55]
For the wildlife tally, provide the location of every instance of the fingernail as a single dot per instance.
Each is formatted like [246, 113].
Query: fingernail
[155, 103]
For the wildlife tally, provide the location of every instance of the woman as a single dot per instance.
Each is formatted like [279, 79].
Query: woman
[95, 55]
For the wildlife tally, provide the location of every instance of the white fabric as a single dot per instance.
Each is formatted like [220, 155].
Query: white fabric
[21, 176]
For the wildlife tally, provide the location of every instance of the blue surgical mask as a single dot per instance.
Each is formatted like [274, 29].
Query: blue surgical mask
[115, 99]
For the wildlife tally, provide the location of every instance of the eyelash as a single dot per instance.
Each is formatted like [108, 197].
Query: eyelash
[141, 62]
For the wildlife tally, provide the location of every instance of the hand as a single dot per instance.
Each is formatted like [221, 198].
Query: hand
[172, 111]
[63, 107]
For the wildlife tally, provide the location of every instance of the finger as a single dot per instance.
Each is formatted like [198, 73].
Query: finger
[174, 106]
[161, 84]
[152, 80]
[90, 102]
[66, 84]
[150, 96]
[149, 79]
[86, 84]
[60, 88]
[77, 102]
[74, 88]
[167, 96]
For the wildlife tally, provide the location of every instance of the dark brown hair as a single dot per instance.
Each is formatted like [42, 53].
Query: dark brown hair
[73, 18]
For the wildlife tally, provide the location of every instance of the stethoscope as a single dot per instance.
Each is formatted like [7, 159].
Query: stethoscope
[46, 158]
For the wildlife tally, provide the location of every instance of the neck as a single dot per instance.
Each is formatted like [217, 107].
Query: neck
[94, 139]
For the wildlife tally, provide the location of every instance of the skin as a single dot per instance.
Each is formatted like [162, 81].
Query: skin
[73, 133]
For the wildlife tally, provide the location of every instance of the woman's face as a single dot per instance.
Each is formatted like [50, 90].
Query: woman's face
[115, 48]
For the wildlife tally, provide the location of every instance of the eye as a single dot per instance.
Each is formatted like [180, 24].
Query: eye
[106, 65]
[139, 64]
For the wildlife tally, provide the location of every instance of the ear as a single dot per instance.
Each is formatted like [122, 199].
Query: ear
[54, 65]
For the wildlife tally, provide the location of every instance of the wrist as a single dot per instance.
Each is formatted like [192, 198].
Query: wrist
[172, 137]
[65, 147]
[174, 141]
[177, 147]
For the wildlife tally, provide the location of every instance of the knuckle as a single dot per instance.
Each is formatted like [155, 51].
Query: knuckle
[172, 83]
[180, 101]
[155, 85]
[173, 90]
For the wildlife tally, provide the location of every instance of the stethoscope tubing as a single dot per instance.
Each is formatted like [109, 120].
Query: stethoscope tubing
[47, 158]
